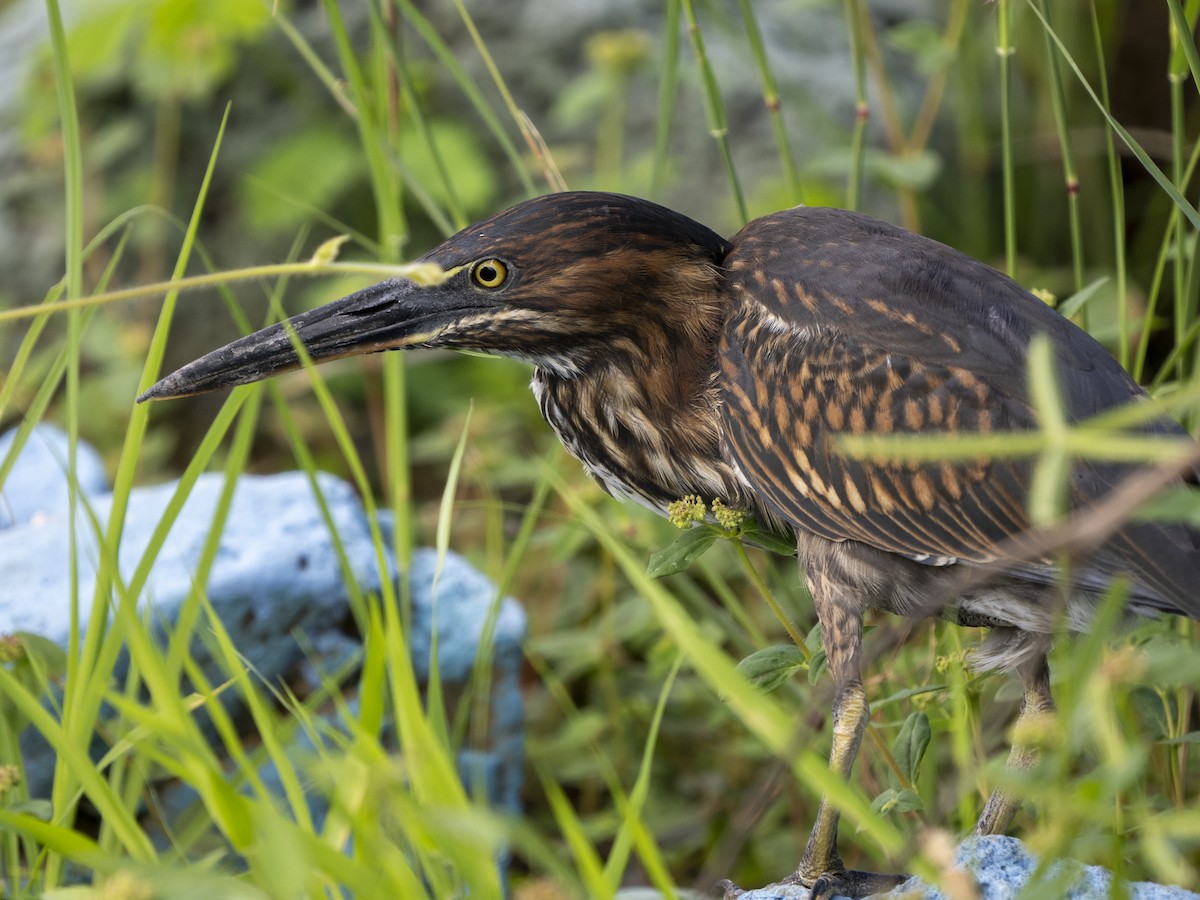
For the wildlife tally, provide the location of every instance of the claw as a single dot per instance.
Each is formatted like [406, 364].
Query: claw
[854, 884]
[842, 884]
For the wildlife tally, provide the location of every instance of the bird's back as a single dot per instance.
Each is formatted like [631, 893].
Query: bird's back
[845, 324]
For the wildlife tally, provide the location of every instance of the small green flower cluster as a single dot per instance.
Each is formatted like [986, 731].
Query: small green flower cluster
[11, 649]
[683, 513]
[691, 509]
[943, 663]
[10, 777]
[727, 517]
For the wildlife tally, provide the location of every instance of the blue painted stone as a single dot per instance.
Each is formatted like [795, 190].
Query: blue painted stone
[1001, 866]
[276, 573]
[276, 568]
[461, 605]
[37, 485]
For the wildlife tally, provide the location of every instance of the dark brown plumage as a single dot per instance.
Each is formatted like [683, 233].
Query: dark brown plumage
[672, 362]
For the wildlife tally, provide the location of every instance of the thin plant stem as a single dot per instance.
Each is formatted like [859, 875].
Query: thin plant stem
[714, 109]
[765, 590]
[1058, 101]
[1178, 260]
[931, 102]
[1005, 50]
[535, 144]
[893, 125]
[1164, 182]
[862, 107]
[667, 88]
[73, 181]
[773, 104]
[1117, 194]
[422, 273]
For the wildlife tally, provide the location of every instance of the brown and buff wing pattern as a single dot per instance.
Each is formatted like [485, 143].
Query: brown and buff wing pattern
[845, 325]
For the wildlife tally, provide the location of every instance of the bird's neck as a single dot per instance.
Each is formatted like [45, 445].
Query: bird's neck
[644, 421]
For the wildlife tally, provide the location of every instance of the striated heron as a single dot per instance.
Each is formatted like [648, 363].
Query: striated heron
[672, 362]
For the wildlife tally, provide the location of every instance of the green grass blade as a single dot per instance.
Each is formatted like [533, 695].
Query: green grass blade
[633, 831]
[862, 108]
[587, 860]
[73, 757]
[759, 713]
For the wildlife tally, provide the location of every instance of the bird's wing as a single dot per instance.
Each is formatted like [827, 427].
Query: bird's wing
[845, 325]
[789, 396]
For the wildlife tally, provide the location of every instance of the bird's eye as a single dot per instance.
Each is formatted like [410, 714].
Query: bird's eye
[489, 273]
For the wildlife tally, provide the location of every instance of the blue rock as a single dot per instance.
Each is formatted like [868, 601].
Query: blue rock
[276, 568]
[276, 573]
[461, 604]
[37, 485]
[1001, 867]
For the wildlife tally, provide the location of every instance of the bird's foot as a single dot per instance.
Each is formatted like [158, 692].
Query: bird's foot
[852, 883]
[844, 883]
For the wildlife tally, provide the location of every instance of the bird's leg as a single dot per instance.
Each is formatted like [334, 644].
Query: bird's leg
[840, 614]
[1002, 805]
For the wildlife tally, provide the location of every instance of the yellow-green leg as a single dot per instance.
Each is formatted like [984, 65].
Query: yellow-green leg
[840, 611]
[1037, 701]
[821, 868]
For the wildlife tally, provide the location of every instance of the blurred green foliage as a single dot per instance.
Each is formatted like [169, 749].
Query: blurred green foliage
[164, 50]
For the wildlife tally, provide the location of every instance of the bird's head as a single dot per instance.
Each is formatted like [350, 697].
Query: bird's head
[560, 281]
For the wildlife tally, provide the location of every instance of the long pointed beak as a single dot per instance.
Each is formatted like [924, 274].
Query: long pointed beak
[389, 315]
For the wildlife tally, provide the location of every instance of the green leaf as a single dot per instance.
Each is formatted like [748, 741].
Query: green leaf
[290, 179]
[455, 149]
[770, 667]
[917, 171]
[815, 637]
[817, 666]
[911, 744]
[815, 641]
[684, 551]
[924, 43]
[1192, 737]
[897, 800]
[40, 809]
[1083, 296]
[580, 102]
[50, 658]
[877, 705]
[1167, 663]
[757, 536]
[1174, 505]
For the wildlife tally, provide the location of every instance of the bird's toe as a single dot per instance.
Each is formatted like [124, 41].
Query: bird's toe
[854, 884]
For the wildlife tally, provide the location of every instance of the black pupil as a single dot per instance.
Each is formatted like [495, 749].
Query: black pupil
[488, 274]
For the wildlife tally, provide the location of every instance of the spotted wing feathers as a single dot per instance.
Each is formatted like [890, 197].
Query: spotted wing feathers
[844, 325]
